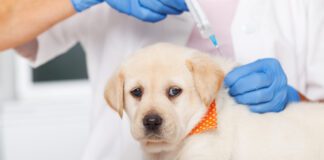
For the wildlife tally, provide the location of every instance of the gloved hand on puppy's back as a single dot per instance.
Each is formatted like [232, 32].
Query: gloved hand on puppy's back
[262, 85]
[145, 10]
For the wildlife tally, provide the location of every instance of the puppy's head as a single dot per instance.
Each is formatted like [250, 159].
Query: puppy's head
[164, 90]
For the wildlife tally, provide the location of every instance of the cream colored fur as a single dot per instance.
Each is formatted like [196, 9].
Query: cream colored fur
[297, 133]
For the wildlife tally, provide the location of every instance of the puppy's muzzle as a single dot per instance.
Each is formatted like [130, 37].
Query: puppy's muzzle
[152, 123]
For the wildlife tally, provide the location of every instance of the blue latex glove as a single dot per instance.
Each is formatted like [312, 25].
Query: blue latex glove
[262, 85]
[165, 6]
[146, 10]
[81, 5]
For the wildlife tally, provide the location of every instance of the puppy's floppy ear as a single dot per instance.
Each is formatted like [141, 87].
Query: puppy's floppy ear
[207, 75]
[114, 93]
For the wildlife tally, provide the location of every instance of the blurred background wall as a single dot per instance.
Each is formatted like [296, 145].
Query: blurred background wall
[44, 112]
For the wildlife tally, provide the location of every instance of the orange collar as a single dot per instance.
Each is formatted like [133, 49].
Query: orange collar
[208, 122]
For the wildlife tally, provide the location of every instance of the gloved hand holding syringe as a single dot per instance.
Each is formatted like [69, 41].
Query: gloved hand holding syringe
[201, 20]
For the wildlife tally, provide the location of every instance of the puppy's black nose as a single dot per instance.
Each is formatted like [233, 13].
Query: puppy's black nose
[152, 122]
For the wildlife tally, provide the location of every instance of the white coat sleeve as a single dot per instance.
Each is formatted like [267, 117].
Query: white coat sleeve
[315, 55]
[58, 39]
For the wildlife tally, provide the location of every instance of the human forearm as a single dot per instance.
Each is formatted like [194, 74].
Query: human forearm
[28, 50]
[23, 20]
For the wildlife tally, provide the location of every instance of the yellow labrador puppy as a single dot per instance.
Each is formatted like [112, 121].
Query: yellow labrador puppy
[166, 90]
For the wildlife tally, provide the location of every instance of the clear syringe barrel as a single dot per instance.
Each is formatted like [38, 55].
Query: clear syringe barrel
[200, 18]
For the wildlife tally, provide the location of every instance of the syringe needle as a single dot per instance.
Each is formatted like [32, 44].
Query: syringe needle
[202, 21]
[214, 40]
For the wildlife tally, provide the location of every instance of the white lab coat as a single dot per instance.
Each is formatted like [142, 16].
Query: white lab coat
[290, 30]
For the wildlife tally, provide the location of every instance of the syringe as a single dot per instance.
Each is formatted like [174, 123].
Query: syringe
[201, 20]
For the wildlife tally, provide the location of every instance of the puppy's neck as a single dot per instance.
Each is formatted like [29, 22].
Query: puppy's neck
[223, 99]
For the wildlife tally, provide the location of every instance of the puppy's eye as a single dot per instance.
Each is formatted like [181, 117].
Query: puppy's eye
[137, 92]
[174, 91]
